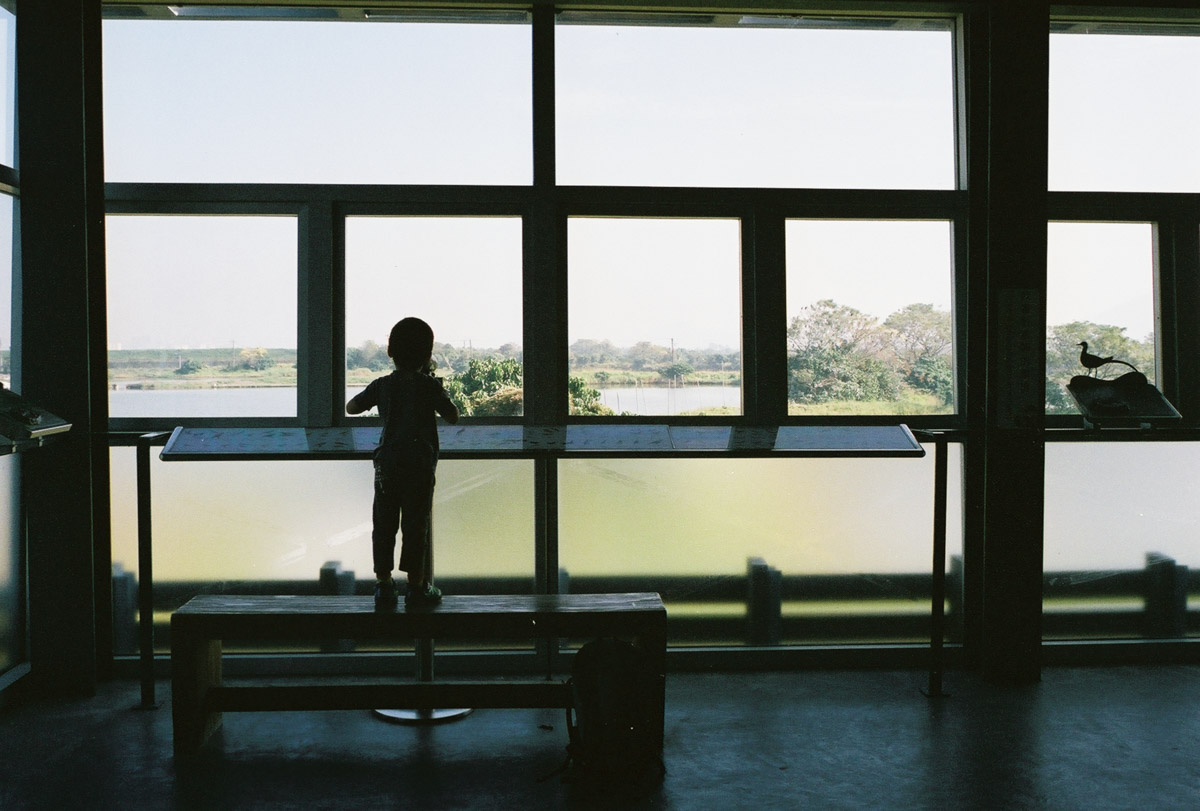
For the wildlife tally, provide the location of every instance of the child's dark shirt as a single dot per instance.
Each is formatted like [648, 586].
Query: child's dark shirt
[408, 403]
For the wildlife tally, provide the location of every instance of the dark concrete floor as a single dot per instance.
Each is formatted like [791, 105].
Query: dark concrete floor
[1125, 738]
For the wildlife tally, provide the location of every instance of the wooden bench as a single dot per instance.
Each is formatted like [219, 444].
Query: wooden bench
[198, 628]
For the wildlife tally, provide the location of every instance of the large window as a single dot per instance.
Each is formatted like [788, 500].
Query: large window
[1122, 119]
[870, 324]
[462, 275]
[8, 100]
[654, 320]
[767, 101]
[1099, 290]
[1122, 116]
[705, 190]
[202, 316]
[250, 101]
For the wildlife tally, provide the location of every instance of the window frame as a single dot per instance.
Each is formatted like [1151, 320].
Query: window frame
[545, 208]
[1175, 220]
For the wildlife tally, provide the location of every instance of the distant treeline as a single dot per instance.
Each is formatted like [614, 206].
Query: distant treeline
[835, 354]
[216, 358]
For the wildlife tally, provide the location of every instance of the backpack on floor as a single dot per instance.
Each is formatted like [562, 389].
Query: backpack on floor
[611, 722]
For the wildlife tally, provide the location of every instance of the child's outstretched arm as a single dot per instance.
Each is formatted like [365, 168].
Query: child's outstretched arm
[449, 411]
[356, 406]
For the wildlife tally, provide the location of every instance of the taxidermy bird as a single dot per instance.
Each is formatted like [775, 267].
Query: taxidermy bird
[1093, 362]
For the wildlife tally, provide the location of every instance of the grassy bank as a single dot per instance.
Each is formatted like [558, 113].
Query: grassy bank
[228, 367]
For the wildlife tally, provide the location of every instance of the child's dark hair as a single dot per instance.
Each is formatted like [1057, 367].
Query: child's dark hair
[410, 343]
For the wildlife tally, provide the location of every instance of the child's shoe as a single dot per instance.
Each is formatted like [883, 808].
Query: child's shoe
[429, 595]
[385, 595]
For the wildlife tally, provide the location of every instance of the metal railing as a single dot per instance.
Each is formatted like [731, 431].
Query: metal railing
[763, 607]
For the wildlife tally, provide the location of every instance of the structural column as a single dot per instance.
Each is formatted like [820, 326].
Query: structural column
[58, 340]
[1014, 446]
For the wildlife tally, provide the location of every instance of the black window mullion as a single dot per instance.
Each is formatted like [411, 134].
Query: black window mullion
[764, 316]
[316, 356]
[1177, 288]
[544, 280]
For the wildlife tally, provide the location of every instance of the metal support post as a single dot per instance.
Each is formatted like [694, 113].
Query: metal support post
[938, 600]
[145, 570]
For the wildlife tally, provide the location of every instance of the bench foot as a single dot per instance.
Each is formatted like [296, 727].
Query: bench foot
[419, 717]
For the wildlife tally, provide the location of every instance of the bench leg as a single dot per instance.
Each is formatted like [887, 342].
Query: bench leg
[655, 645]
[195, 668]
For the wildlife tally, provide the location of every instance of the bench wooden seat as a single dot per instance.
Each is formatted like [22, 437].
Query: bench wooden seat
[198, 628]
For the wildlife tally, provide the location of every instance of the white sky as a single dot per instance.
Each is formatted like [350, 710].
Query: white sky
[388, 103]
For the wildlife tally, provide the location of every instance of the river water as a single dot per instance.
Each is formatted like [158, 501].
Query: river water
[281, 401]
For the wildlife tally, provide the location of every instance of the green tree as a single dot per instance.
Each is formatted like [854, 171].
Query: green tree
[678, 369]
[585, 401]
[918, 332]
[492, 387]
[921, 341]
[644, 354]
[506, 402]
[590, 352]
[834, 355]
[254, 360]
[484, 377]
[934, 375]
[370, 356]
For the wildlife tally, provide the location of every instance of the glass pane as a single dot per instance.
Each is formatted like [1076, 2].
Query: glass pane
[201, 316]
[6, 287]
[851, 539]
[270, 526]
[460, 274]
[8, 95]
[767, 103]
[1121, 551]
[12, 571]
[654, 316]
[1121, 117]
[869, 310]
[12, 579]
[1099, 290]
[247, 101]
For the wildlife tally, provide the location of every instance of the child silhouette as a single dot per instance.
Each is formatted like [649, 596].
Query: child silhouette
[405, 462]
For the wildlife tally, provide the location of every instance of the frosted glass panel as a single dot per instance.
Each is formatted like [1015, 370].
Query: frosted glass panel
[1118, 516]
[12, 573]
[6, 266]
[219, 521]
[850, 537]
[271, 526]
